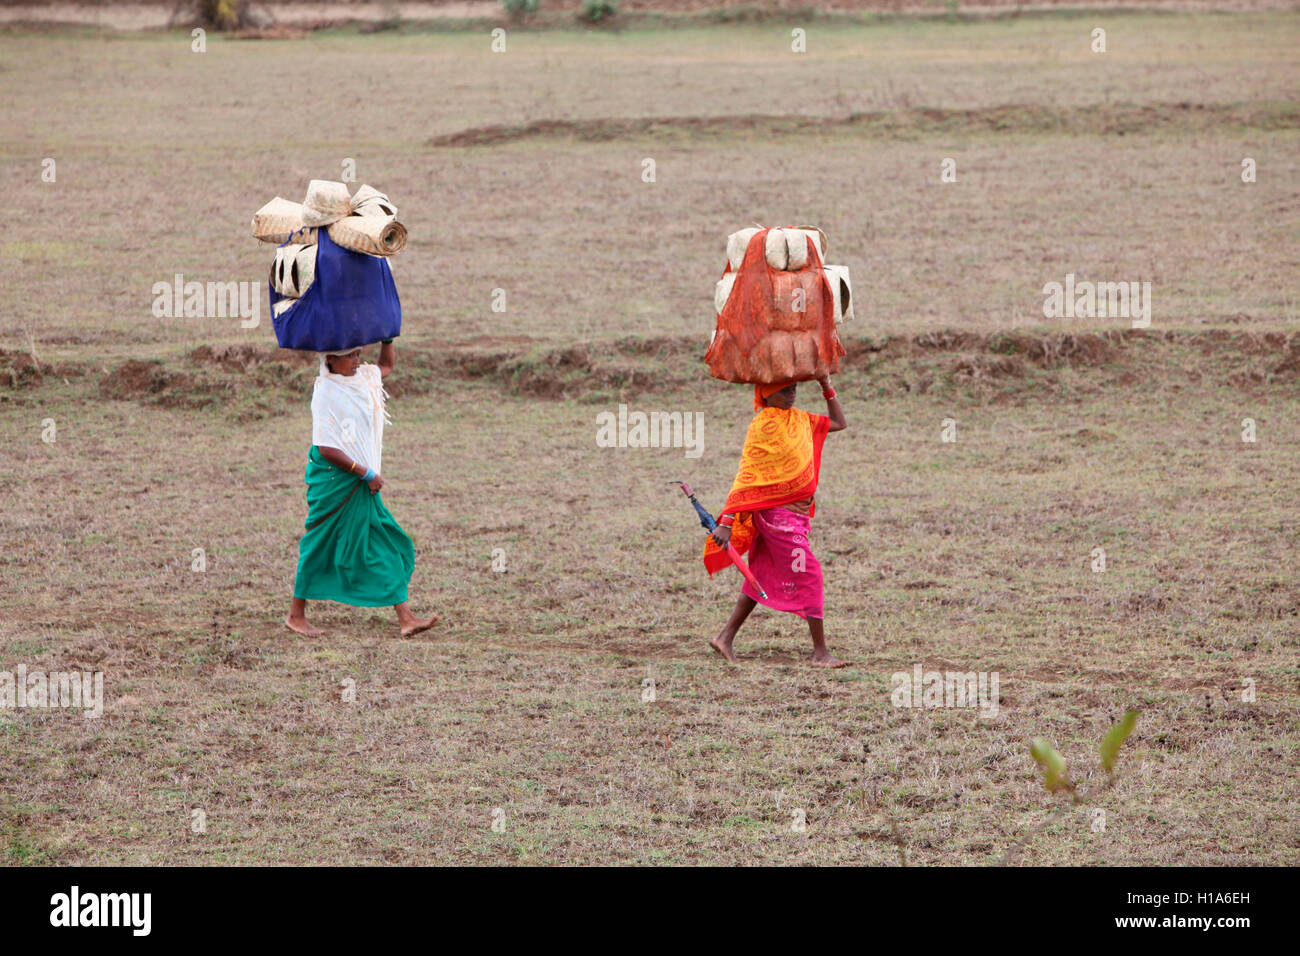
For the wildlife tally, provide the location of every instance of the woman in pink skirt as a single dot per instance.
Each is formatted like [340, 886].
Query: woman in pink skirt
[769, 513]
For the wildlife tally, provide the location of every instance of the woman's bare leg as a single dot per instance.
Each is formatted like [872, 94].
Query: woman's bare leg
[722, 643]
[821, 656]
[297, 620]
[409, 622]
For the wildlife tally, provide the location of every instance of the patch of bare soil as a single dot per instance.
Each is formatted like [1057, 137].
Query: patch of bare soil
[19, 370]
[570, 372]
[982, 367]
[239, 358]
[135, 379]
[1053, 351]
[1114, 119]
[153, 383]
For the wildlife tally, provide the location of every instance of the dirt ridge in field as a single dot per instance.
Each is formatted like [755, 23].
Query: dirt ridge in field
[1112, 119]
[293, 19]
[263, 378]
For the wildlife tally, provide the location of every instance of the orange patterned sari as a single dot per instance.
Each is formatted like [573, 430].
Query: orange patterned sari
[779, 465]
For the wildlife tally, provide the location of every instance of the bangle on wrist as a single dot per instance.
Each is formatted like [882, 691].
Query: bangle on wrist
[369, 476]
[385, 341]
[725, 520]
[828, 393]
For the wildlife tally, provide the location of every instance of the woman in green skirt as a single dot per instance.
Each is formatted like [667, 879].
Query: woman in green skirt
[354, 550]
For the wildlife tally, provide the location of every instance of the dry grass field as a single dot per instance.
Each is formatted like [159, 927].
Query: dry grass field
[522, 171]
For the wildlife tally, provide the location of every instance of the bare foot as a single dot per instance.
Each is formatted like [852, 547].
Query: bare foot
[299, 625]
[724, 648]
[415, 625]
[827, 659]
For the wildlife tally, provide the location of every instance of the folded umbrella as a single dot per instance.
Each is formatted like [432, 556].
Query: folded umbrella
[709, 524]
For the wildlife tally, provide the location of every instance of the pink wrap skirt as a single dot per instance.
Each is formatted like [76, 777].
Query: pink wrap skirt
[782, 560]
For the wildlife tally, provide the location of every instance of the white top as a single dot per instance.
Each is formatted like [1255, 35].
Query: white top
[347, 413]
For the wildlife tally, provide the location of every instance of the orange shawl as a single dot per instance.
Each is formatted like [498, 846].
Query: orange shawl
[779, 464]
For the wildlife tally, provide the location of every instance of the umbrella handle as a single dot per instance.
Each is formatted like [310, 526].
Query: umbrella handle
[706, 518]
[710, 525]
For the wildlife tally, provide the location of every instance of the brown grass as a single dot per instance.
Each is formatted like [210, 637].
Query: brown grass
[191, 433]
[972, 556]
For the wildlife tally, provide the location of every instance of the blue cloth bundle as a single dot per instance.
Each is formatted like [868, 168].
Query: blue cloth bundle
[351, 302]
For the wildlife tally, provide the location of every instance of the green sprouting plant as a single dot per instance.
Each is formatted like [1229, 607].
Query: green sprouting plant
[1114, 739]
[520, 9]
[1056, 776]
[594, 11]
[1056, 773]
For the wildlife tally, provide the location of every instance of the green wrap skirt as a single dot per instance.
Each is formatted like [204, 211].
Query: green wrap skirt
[354, 550]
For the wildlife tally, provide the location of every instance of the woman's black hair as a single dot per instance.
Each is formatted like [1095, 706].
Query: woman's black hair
[330, 368]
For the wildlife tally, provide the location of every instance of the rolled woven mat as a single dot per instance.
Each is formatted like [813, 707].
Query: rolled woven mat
[301, 237]
[818, 236]
[796, 241]
[369, 201]
[293, 270]
[737, 243]
[838, 279]
[369, 234]
[722, 291]
[327, 201]
[795, 256]
[278, 220]
[778, 253]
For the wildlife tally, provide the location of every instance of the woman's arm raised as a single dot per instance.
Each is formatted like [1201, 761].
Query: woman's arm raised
[834, 410]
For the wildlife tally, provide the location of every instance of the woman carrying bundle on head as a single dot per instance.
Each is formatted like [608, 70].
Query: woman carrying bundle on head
[769, 511]
[354, 551]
